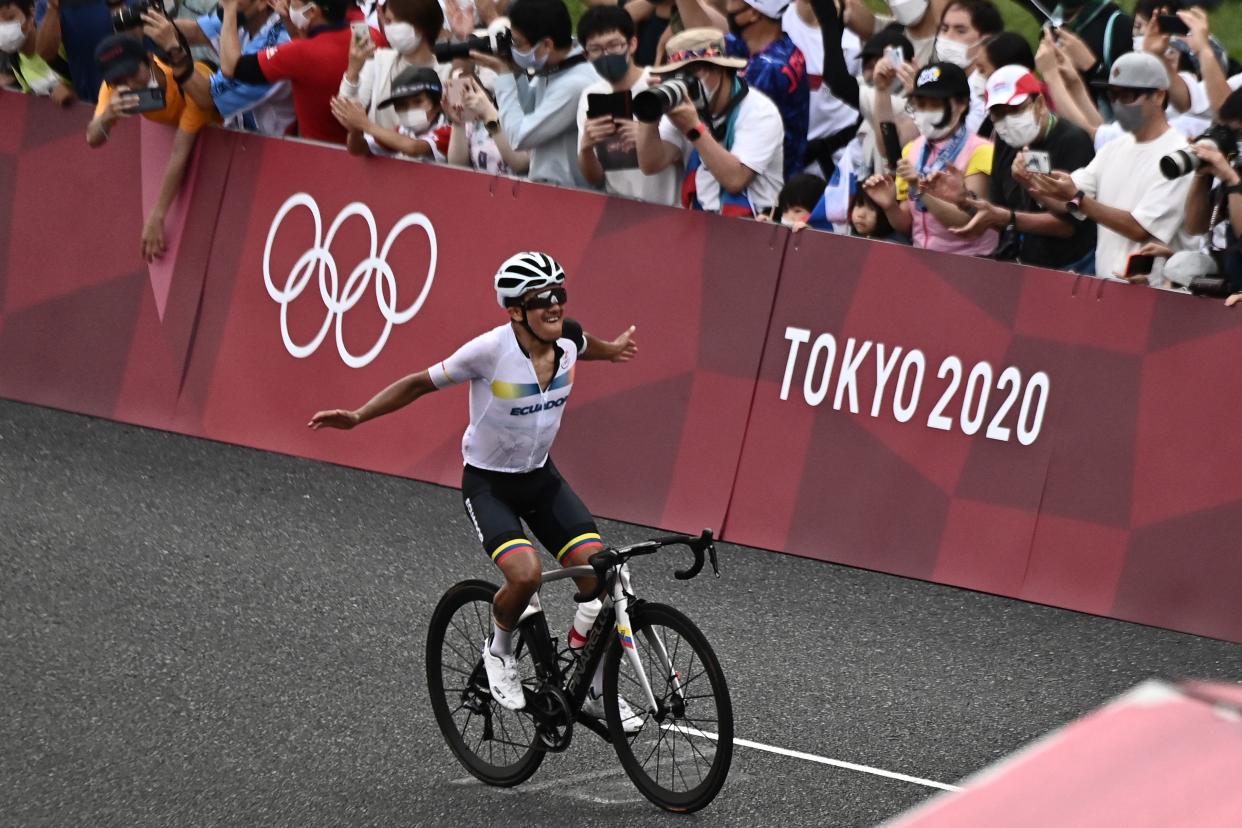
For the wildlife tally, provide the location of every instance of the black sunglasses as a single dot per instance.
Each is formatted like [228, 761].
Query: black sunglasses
[546, 299]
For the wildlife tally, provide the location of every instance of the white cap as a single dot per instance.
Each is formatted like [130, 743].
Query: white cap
[1188, 264]
[768, 8]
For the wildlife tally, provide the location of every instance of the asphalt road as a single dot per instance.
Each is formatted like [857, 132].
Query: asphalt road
[197, 634]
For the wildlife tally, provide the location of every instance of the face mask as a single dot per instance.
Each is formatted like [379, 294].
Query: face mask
[1018, 130]
[415, 120]
[403, 37]
[954, 52]
[927, 124]
[612, 68]
[300, 17]
[1129, 116]
[1138, 43]
[11, 36]
[525, 59]
[709, 92]
[908, 12]
[788, 222]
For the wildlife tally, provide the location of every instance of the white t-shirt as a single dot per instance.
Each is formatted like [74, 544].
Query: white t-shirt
[513, 420]
[660, 188]
[829, 114]
[758, 142]
[1198, 116]
[978, 110]
[1126, 174]
[484, 154]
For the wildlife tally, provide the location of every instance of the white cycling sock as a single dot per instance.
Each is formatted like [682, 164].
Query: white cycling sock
[502, 640]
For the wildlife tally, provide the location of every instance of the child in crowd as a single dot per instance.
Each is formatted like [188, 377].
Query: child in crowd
[797, 201]
[869, 222]
[421, 132]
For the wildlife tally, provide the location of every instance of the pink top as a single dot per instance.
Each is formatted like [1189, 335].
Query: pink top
[926, 230]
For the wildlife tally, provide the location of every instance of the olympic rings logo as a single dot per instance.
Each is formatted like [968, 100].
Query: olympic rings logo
[338, 300]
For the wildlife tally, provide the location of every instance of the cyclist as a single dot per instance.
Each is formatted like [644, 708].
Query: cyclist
[520, 376]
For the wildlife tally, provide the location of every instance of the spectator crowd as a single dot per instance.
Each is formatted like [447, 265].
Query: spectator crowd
[1111, 148]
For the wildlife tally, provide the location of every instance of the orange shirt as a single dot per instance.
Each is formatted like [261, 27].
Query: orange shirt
[179, 110]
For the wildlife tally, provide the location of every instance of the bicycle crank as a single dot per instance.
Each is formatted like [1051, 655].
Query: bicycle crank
[554, 722]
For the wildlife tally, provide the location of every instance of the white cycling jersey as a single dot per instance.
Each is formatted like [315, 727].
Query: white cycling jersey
[512, 420]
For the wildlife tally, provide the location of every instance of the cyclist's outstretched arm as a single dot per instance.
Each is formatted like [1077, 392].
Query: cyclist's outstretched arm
[398, 395]
[621, 349]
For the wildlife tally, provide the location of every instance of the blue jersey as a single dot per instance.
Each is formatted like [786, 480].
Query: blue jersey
[779, 72]
[232, 97]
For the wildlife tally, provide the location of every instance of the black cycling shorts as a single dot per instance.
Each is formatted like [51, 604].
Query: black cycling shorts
[498, 502]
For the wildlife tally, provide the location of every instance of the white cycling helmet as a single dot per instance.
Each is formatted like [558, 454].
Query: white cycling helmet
[526, 271]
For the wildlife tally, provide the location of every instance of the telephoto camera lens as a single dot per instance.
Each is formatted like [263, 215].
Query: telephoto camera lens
[447, 51]
[1184, 161]
[654, 102]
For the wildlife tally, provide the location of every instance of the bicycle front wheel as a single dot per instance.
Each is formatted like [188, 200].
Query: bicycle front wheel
[680, 755]
[495, 744]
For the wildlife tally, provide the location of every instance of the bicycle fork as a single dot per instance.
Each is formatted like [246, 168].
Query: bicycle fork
[625, 634]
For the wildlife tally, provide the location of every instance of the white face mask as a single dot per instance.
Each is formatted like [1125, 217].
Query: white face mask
[955, 52]
[525, 59]
[403, 37]
[1138, 43]
[1018, 130]
[415, 120]
[926, 123]
[908, 12]
[11, 36]
[299, 16]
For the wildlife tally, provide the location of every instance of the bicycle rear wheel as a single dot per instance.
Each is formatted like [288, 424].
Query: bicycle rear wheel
[492, 742]
[680, 756]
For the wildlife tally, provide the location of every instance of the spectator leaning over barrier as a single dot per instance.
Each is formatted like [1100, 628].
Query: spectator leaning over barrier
[1028, 134]
[411, 27]
[476, 140]
[30, 72]
[774, 66]
[313, 63]
[1123, 189]
[1214, 201]
[77, 28]
[608, 143]
[262, 107]
[731, 150]
[422, 131]
[127, 69]
[539, 115]
[938, 168]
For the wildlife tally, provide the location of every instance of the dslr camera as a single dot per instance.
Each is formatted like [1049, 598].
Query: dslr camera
[498, 43]
[1183, 161]
[128, 17]
[656, 101]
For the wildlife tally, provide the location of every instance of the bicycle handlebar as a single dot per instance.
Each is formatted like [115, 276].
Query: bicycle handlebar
[606, 559]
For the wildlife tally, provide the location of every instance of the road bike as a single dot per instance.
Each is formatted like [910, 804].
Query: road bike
[655, 658]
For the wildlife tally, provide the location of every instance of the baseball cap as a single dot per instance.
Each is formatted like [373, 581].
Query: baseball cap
[411, 82]
[702, 45]
[119, 56]
[1010, 86]
[1137, 70]
[941, 80]
[768, 8]
[885, 39]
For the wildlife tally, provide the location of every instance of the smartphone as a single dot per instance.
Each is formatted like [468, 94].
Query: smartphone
[1138, 265]
[1038, 161]
[617, 104]
[895, 55]
[361, 31]
[891, 143]
[455, 91]
[1171, 24]
[150, 99]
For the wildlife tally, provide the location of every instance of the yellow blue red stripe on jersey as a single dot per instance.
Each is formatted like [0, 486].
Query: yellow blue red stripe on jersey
[578, 542]
[511, 546]
[518, 390]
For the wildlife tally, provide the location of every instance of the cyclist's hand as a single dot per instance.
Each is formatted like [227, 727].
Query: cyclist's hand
[624, 347]
[337, 418]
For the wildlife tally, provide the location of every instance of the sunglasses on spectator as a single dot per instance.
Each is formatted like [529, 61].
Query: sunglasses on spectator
[1126, 95]
[546, 299]
[612, 47]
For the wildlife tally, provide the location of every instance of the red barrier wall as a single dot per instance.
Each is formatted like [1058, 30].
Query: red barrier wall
[1107, 483]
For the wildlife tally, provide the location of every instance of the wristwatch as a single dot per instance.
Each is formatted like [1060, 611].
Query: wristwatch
[492, 127]
[695, 132]
[1074, 205]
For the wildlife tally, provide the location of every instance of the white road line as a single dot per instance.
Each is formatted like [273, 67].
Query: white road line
[810, 757]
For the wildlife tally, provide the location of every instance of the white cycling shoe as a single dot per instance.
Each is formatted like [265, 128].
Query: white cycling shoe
[630, 722]
[502, 678]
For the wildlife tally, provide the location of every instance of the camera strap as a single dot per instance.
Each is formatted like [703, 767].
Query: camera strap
[722, 124]
[567, 63]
